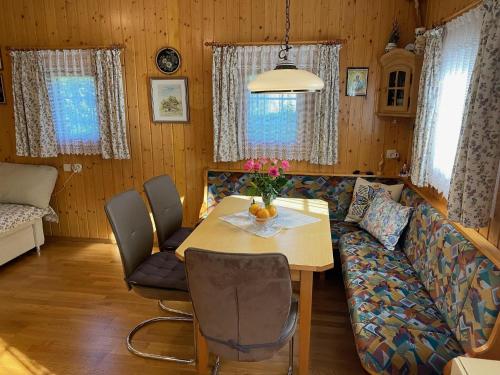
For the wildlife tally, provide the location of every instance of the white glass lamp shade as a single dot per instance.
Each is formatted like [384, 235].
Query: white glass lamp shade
[286, 80]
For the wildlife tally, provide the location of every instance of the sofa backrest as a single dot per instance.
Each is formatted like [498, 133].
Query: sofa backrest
[27, 184]
[336, 190]
[463, 283]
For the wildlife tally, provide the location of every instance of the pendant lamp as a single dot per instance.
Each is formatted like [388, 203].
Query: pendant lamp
[286, 78]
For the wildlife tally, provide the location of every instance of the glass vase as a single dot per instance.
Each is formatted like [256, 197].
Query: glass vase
[268, 199]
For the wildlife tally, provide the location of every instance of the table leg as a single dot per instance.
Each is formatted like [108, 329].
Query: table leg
[305, 308]
[201, 350]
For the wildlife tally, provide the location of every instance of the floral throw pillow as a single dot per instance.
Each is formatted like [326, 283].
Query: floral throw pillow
[363, 194]
[386, 219]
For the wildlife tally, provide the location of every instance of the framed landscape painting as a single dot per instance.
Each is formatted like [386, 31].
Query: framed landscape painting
[169, 100]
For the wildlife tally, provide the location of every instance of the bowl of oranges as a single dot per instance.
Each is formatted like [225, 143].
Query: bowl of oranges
[262, 214]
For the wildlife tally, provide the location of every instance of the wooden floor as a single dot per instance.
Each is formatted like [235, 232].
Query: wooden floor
[67, 311]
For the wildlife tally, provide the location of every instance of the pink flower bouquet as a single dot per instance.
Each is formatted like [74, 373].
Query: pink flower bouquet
[267, 177]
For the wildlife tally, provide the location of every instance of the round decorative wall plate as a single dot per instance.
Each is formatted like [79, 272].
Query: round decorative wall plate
[168, 60]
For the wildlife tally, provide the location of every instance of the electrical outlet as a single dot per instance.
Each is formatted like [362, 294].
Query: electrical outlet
[77, 168]
[67, 167]
[391, 154]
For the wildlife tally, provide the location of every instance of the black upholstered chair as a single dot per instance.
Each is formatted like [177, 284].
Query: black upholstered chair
[166, 207]
[158, 276]
[243, 302]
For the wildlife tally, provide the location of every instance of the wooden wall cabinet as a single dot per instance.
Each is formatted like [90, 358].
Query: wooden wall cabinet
[399, 78]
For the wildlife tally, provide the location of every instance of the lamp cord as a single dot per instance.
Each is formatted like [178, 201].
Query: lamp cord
[283, 53]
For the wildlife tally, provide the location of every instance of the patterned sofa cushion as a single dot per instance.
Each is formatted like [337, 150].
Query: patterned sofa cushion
[397, 327]
[480, 309]
[463, 283]
[339, 228]
[15, 215]
[403, 350]
[361, 251]
[410, 197]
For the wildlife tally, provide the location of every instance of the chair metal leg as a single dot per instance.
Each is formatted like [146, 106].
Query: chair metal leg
[290, 357]
[173, 311]
[157, 356]
[215, 370]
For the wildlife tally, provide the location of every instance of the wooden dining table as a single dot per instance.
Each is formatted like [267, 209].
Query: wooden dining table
[308, 249]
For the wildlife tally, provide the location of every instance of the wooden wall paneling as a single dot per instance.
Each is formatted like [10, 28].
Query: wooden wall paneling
[186, 15]
[436, 11]
[185, 151]
[153, 43]
[377, 134]
[369, 60]
[208, 35]
[198, 126]
[166, 129]
[355, 103]
[178, 130]
[346, 52]
[134, 165]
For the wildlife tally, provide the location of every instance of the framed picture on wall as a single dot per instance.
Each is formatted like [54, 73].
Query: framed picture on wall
[2, 92]
[356, 82]
[170, 100]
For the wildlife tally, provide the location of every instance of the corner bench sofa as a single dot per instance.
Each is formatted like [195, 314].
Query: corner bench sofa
[412, 309]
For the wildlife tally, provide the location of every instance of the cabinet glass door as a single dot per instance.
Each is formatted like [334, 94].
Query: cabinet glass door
[396, 89]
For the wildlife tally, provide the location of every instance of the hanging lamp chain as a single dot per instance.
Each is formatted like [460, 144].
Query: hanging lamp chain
[283, 53]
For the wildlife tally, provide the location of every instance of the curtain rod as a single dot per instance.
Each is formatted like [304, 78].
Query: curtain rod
[444, 20]
[271, 43]
[112, 46]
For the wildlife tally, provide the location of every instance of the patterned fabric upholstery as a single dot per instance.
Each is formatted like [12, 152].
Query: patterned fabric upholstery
[362, 251]
[336, 190]
[459, 279]
[403, 350]
[339, 228]
[410, 197]
[397, 327]
[415, 308]
[481, 307]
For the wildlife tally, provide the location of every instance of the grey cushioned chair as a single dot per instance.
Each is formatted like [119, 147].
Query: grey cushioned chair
[243, 302]
[166, 207]
[155, 276]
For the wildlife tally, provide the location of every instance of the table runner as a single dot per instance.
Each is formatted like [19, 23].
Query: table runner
[287, 219]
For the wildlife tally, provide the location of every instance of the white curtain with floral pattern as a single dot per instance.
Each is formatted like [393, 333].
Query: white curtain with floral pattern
[448, 64]
[474, 181]
[284, 126]
[426, 106]
[34, 125]
[69, 102]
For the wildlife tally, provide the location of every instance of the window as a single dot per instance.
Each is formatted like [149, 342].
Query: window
[274, 125]
[73, 103]
[69, 101]
[272, 119]
[460, 48]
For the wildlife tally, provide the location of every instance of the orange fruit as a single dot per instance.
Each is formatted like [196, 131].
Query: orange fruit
[254, 207]
[272, 210]
[263, 213]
